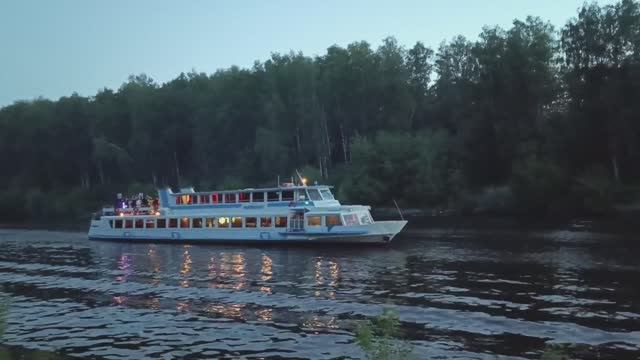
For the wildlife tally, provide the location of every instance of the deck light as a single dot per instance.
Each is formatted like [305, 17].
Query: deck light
[304, 181]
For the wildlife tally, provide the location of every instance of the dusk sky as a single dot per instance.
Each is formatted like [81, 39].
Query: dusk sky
[53, 48]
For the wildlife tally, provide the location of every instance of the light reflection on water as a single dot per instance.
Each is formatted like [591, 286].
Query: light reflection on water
[480, 296]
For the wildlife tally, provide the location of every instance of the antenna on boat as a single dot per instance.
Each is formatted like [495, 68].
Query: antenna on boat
[397, 207]
[303, 181]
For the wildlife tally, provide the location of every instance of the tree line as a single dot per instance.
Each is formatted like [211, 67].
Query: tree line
[531, 118]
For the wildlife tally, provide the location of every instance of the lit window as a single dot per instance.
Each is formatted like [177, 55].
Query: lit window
[150, 224]
[162, 223]
[223, 222]
[118, 224]
[314, 220]
[128, 224]
[216, 198]
[197, 223]
[210, 222]
[173, 223]
[333, 220]
[229, 198]
[186, 199]
[281, 221]
[236, 222]
[258, 196]
[250, 222]
[139, 223]
[243, 197]
[273, 196]
[184, 222]
[265, 222]
[178, 200]
[204, 199]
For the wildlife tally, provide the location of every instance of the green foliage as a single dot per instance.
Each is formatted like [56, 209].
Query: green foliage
[596, 188]
[555, 352]
[411, 168]
[377, 338]
[537, 184]
[427, 128]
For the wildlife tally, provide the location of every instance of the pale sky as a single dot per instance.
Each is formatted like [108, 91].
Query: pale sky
[52, 48]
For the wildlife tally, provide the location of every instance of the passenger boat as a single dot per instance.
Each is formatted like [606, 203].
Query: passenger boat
[287, 213]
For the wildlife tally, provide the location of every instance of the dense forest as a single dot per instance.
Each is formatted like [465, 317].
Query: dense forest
[532, 119]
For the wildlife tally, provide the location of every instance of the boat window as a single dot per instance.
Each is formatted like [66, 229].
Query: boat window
[258, 196]
[118, 224]
[281, 221]
[250, 222]
[186, 199]
[150, 223]
[204, 199]
[236, 222]
[216, 198]
[110, 223]
[350, 219]
[243, 197]
[196, 223]
[162, 223]
[287, 195]
[128, 224]
[332, 220]
[194, 199]
[314, 194]
[265, 222]
[229, 198]
[139, 223]
[314, 220]
[210, 222]
[178, 200]
[326, 194]
[223, 222]
[365, 218]
[184, 222]
[273, 196]
[173, 223]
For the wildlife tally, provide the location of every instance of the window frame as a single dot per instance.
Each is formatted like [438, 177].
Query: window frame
[227, 222]
[270, 222]
[253, 199]
[235, 224]
[286, 221]
[309, 217]
[278, 193]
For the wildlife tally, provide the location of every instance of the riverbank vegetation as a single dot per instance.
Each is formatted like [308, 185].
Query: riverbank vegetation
[531, 119]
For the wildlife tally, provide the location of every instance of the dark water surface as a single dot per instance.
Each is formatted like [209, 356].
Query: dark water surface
[464, 296]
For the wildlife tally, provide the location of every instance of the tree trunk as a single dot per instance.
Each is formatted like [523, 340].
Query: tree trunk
[344, 144]
[101, 172]
[175, 158]
[614, 164]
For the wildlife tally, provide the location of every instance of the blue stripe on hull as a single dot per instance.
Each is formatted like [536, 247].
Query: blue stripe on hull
[324, 240]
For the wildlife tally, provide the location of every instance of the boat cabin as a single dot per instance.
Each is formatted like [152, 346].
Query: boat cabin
[281, 196]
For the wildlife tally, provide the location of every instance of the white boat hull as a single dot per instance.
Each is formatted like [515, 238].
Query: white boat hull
[379, 232]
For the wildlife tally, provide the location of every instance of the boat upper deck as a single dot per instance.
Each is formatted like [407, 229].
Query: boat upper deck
[251, 198]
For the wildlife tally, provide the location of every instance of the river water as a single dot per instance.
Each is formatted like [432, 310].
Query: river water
[460, 295]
